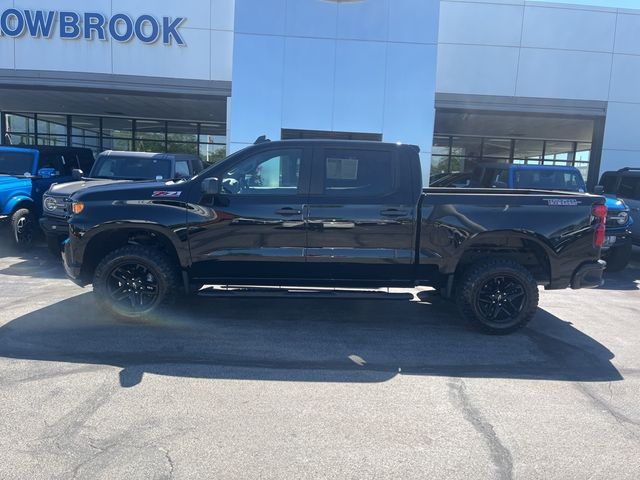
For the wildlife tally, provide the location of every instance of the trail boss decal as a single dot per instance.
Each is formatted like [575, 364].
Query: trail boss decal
[562, 202]
[165, 194]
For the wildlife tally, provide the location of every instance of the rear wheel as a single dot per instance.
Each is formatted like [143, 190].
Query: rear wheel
[498, 296]
[134, 282]
[618, 258]
[22, 228]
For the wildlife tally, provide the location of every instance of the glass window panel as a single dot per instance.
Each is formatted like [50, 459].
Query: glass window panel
[116, 144]
[439, 166]
[213, 129]
[528, 149]
[583, 152]
[558, 150]
[52, 140]
[440, 146]
[177, 147]
[20, 123]
[467, 146]
[117, 128]
[212, 153]
[19, 139]
[152, 146]
[52, 124]
[150, 130]
[85, 126]
[584, 168]
[496, 148]
[182, 132]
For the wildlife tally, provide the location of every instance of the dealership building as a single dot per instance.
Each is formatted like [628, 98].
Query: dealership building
[469, 81]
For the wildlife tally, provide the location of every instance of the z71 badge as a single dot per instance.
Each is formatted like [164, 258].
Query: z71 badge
[562, 202]
[166, 194]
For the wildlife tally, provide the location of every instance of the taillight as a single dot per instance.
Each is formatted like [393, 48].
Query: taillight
[600, 212]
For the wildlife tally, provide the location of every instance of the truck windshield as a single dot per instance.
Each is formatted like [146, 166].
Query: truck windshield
[131, 168]
[549, 180]
[16, 163]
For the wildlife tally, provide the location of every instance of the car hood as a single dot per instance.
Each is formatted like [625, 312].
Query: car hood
[68, 189]
[7, 182]
[615, 204]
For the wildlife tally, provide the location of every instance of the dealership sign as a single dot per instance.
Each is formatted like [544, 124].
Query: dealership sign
[89, 26]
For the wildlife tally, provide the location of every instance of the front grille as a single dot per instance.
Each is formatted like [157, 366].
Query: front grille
[612, 220]
[62, 206]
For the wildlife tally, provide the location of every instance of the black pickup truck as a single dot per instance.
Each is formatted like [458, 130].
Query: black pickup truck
[332, 213]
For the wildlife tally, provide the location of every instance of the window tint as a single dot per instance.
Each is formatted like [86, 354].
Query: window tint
[276, 172]
[358, 172]
[549, 180]
[610, 183]
[629, 187]
[182, 169]
[132, 168]
[57, 162]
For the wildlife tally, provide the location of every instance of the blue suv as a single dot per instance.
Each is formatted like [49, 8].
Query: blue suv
[25, 174]
[617, 248]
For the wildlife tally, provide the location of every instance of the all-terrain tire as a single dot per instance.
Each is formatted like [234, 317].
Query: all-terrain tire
[23, 229]
[152, 276]
[497, 285]
[619, 257]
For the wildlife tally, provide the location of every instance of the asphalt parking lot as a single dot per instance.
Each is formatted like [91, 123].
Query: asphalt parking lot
[372, 385]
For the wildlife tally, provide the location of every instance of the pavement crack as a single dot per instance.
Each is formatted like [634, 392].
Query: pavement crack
[167, 455]
[623, 420]
[500, 455]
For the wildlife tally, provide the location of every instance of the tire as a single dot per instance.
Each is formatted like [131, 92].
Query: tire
[22, 228]
[498, 296]
[619, 257]
[133, 283]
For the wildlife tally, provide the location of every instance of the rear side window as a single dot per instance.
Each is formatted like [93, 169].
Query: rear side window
[358, 173]
[610, 184]
[61, 164]
[629, 187]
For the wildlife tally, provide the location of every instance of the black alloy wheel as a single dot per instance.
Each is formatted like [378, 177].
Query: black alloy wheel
[133, 287]
[501, 299]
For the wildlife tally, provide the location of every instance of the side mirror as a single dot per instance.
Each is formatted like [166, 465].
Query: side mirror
[598, 189]
[210, 186]
[77, 174]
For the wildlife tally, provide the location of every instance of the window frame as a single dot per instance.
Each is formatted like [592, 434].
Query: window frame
[396, 195]
[303, 180]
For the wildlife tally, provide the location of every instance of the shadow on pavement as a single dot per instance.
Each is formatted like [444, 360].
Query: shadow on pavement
[628, 279]
[317, 340]
[36, 262]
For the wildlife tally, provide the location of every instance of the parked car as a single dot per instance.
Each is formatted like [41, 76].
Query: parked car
[332, 213]
[25, 174]
[110, 167]
[617, 246]
[625, 185]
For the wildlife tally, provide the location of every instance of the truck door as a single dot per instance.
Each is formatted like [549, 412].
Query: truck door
[361, 214]
[255, 228]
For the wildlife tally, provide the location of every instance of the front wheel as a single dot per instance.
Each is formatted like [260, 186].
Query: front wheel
[22, 228]
[134, 282]
[618, 258]
[498, 296]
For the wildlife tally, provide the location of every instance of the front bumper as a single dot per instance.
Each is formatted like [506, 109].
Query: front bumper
[589, 275]
[54, 226]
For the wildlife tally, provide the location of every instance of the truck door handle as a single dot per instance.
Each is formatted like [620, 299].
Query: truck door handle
[393, 212]
[288, 211]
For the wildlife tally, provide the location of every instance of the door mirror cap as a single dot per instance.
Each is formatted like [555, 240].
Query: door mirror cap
[77, 174]
[211, 186]
[598, 189]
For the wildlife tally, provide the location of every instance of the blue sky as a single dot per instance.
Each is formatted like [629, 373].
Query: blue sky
[601, 3]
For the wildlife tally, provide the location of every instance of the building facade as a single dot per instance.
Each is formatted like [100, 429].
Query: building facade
[469, 81]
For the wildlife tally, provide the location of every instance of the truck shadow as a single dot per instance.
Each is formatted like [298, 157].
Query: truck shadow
[315, 340]
[36, 262]
[628, 279]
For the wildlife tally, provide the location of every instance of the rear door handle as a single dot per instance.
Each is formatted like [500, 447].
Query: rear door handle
[288, 211]
[393, 212]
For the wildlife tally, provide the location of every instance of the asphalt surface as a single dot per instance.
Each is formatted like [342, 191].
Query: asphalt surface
[367, 385]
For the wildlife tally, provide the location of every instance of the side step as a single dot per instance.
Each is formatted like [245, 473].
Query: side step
[231, 291]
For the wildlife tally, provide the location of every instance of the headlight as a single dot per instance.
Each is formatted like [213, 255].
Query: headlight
[622, 218]
[50, 204]
[77, 207]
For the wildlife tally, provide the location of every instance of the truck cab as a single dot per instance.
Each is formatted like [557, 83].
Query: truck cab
[25, 174]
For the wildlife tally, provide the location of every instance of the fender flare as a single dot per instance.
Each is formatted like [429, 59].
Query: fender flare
[16, 200]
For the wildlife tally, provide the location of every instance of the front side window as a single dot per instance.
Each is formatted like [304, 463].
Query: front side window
[275, 172]
[58, 164]
[16, 163]
[629, 187]
[358, 173]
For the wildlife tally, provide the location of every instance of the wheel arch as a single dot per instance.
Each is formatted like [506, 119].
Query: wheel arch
[101, 241]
